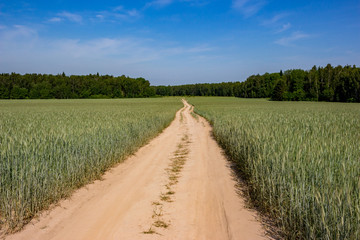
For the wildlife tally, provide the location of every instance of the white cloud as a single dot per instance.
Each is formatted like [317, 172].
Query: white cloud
[275, 19]
[22, 50]
[15, 42]
[164, 3]
[276, 23]
[239, 3]
[171, 51]
[196, 3]
[284, 28]
[133, 13]
[248, 8]
[126, 50]
[118, 8]
[295, 36]
[117, 13]
[55, 19]
[71, 16]
[100, 16]
[158, 3]
[20, 32]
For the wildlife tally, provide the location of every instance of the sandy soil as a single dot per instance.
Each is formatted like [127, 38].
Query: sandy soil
[179, 186]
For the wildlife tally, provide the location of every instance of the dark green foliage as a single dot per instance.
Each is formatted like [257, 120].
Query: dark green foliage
[18, 92]
[279, 90]
[201, 89]
[331, 84]
[45, 86]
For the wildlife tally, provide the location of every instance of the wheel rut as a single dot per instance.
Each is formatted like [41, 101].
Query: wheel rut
[179, 186]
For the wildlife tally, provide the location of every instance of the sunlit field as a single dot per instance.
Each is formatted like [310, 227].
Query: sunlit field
[301, 161]
[48, 148]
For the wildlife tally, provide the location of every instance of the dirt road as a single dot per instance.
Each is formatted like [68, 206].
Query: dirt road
[179, 186]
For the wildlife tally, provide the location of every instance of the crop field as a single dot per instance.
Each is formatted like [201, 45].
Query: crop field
[48, 148]
[301, 161]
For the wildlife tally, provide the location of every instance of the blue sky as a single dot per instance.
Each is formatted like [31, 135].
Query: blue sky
[177, 41]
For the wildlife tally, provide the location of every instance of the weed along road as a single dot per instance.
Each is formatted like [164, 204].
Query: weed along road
[178, 186]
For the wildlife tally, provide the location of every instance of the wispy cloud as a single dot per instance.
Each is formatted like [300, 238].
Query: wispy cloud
[126, 12]
[277, 23]
[275, 19]
[15, 42]
[118, 8]
[284, 27]
[40, 54]
[100, 16]
[186, 50]
[117, 13]
[164, 3]
[133, 13]
[112, 15]
[127, 15]
[295, 36]
[55, 19]
[67, 16]
[19, 32]
[248, 8]
[159, 3]
[197, 3]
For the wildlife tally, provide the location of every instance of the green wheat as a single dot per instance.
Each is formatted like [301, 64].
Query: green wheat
[48, 148]
[301, 161]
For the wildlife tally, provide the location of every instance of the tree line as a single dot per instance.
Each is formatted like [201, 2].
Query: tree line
[44, 86]
[199, 89]
[333, 84]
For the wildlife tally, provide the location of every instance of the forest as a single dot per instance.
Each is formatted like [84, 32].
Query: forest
[45, 86]
[332, 84]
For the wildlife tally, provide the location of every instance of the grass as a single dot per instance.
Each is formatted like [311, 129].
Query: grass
[149, 231]
[156, 203]
[48, 148]
[160, 224]
[301, 161]
[157, 211]
[173, 172]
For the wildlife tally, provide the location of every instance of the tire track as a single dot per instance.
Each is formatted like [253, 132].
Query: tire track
[179, 186]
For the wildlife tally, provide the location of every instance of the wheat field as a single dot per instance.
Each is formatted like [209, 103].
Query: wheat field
[48, 148]
[301, 161]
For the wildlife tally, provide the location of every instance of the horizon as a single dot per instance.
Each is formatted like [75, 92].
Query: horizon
[183, 84]
[177, 42]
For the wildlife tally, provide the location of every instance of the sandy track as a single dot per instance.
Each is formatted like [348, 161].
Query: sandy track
[179, 186]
